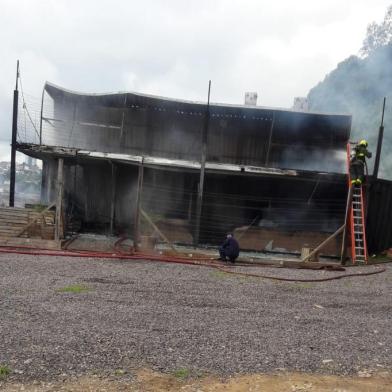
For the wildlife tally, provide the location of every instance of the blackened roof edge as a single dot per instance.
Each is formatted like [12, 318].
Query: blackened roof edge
[53, 86]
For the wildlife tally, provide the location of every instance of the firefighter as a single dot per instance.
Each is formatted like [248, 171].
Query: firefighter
[358, 162]
[229, 249]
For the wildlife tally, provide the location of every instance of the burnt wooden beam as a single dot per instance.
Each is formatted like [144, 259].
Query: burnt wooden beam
[113, 198]
[58, 232]
[14, 139]
[136, 235]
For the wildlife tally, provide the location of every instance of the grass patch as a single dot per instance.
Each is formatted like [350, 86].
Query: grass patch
[220, 274]
[348, 284]
[4, 371]
[182, 374]
[74, 288]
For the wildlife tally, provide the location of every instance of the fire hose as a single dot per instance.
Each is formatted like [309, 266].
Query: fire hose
[205, 262]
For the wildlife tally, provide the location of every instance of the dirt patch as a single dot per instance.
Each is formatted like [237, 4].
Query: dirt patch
[147, 380]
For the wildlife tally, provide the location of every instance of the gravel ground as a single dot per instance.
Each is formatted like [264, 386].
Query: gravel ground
[169, 317]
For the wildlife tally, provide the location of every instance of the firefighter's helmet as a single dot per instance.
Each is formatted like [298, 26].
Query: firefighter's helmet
[363, 142]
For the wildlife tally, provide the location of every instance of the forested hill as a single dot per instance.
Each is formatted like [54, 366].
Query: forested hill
[357, 86]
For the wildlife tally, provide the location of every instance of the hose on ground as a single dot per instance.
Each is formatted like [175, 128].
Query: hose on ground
[174, 259]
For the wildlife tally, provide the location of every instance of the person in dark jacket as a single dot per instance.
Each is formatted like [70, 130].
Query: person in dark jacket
[229, 249]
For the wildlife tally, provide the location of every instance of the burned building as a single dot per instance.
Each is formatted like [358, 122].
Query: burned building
[196, 170]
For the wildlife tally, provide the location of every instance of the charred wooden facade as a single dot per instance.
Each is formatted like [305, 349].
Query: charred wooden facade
[277, 170]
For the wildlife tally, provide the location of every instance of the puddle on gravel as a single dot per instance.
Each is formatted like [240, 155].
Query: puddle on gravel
[147, 380]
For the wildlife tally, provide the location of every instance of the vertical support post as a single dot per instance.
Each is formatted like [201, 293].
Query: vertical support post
[190, 206]
[59, 202]
[86, 193]
[202, 169]
[136, 236]
[44, 182]
[346, 221]
[379, 143]
[13, 139]
[40, 119]
[113, 198]
[270, 139]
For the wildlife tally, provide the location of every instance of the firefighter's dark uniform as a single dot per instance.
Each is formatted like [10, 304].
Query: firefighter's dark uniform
[357, 164]
[229, 249]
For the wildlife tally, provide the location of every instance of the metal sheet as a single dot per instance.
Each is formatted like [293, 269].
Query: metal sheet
[160, 127]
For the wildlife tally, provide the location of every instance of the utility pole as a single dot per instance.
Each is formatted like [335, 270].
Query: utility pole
[13, 139]
[202, 168]
[379, 143]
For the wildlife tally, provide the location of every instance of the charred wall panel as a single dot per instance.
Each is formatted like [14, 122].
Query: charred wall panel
[97, 196]
[125, 199]
[168, 194]
[289, 204]
[146, 125]
[379, 217]
[235, 139]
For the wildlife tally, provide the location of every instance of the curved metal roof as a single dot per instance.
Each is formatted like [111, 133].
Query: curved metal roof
[55, 90]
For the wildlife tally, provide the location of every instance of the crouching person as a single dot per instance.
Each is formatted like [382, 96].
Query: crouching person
[230, 249]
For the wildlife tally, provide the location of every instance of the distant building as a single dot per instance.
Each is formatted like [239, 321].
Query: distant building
[30, 162]
[251, 98]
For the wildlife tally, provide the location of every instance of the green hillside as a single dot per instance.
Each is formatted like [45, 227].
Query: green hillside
[357, 86]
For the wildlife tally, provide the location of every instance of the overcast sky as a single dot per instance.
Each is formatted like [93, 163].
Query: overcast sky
[279, 48]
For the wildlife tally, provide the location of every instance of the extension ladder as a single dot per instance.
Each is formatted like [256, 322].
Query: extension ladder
[356, 223]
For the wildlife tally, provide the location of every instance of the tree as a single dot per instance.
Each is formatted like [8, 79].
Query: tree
[378, 35]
